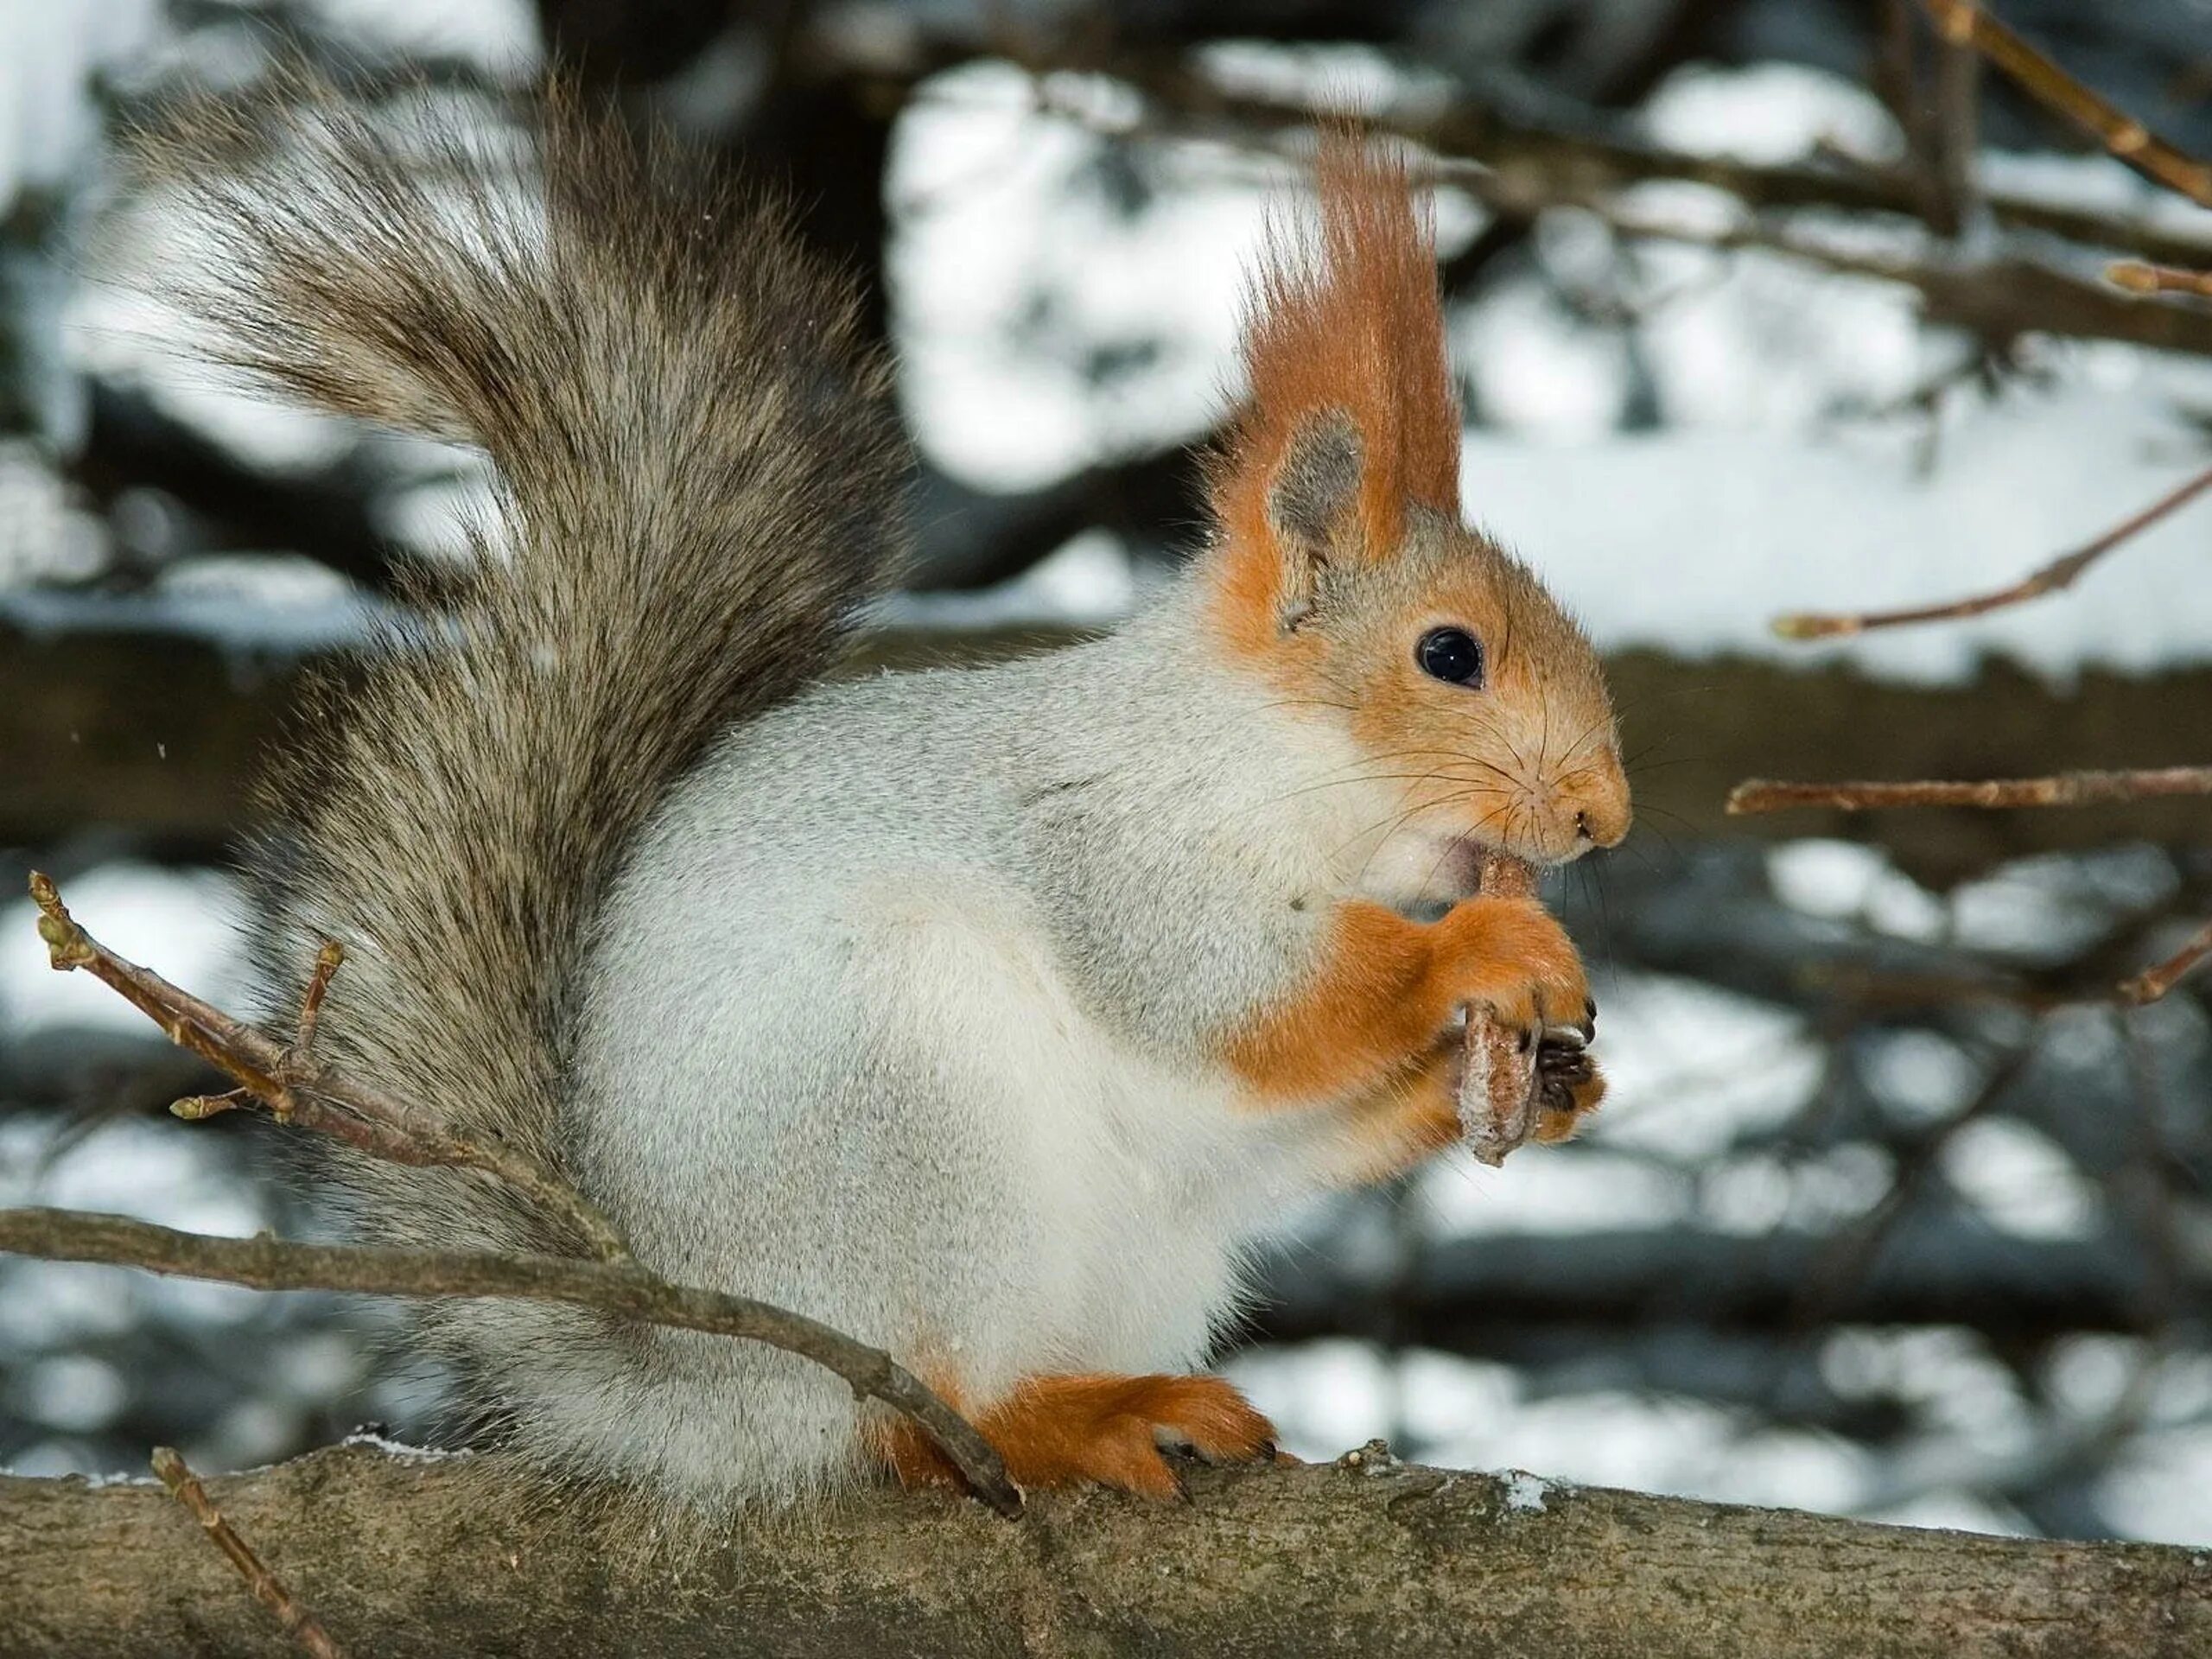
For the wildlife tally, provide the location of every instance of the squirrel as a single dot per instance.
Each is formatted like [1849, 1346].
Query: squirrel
[987, 1015]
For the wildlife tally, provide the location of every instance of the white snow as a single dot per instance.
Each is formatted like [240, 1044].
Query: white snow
[1769, 112]
[50, 53]
[1525, 1492]
[2020, 1179]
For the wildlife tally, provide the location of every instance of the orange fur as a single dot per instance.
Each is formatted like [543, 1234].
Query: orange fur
[1343, 315]
[1086, 1427]
[1386, 987]
[1407, 1120]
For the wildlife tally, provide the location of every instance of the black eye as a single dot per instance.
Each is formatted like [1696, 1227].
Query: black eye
[1450, 654]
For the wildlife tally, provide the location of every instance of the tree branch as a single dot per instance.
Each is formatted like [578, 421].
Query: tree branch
[2060, 573]
[2139, 277]
[1964, 23]
[1365, 1557]
[2064, 789]
[267, 1263]
[267, 1588]
[2154, 982]
[298, 1089]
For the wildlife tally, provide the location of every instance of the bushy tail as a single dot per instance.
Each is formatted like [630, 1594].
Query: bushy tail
[696, 479]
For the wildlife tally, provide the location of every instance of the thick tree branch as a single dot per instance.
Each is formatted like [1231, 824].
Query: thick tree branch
[117, 694]
[405, 1556]
[268, 1263]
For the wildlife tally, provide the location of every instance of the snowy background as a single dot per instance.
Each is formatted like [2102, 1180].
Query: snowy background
[1840, 1239]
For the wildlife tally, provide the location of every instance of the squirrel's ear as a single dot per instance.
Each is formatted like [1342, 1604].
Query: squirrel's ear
[1348, 417]
[1312, 505]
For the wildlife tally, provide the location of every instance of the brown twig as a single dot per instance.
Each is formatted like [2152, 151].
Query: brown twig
[2062, 788]
[268, 1589]
[2154, 982]
[2060, 573]
[2140, 276]
[327, 961]
[298, 1088]
[1964, 23]
[264, 1262]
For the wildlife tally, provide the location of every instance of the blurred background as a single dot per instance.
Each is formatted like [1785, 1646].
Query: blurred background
[1758, 305]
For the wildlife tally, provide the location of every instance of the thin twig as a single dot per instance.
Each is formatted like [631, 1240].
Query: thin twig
[299, 1089]
[264, 1262]
[327, 961]
[2064, 789]
[192, 1109]
[1964, 23]
[2154, 982]
[2140, 276]
[2060, 573]
[268, 1589]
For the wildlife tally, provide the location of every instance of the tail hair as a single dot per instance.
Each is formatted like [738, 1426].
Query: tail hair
[696, 476]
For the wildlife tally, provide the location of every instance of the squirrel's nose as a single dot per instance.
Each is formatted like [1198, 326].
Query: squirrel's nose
[1601, 815]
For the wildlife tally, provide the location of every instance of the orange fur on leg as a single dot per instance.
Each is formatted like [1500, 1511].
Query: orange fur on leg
[1091, 1429]
[1407, 1120]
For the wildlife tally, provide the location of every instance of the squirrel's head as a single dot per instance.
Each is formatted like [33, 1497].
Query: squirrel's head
[1341, 570]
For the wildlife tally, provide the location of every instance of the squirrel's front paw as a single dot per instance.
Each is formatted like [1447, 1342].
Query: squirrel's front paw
[1512, 957]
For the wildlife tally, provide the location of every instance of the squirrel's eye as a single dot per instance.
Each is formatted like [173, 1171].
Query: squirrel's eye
[1450, 654]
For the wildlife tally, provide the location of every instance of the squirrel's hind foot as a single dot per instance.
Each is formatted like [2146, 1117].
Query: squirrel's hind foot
[1093, 1429]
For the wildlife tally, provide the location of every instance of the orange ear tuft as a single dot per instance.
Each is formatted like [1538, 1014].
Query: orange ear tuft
[1344, 319]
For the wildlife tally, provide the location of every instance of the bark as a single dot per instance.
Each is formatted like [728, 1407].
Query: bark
[399, 1556]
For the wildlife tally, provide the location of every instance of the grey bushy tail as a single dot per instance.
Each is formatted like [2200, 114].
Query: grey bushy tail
[696, 469]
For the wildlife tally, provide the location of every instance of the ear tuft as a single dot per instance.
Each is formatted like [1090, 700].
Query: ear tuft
[1349, 415]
